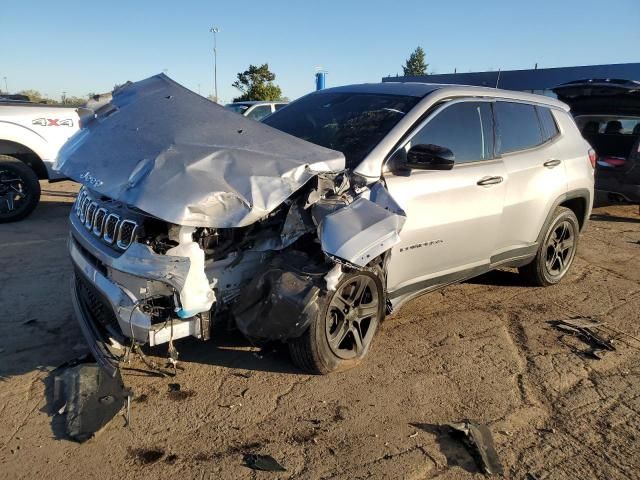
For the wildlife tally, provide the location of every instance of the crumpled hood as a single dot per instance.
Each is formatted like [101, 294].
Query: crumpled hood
[175, 155]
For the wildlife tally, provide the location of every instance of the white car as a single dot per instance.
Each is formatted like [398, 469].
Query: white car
[30, 136]
[256, 110]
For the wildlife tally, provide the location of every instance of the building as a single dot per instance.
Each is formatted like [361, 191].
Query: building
[539, 80]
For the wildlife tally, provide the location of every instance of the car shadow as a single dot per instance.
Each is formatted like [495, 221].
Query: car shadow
[453, 449]
[603, 217]
[230, 349]
[499, 278]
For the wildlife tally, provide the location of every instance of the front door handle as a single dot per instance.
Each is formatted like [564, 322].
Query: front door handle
[489, 181]
[554, 162]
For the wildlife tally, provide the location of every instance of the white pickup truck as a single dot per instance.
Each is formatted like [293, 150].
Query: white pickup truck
[30, 136]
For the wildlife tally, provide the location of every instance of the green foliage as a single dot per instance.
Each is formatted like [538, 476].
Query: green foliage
[256, 83]
[415, 64]
[36, 97]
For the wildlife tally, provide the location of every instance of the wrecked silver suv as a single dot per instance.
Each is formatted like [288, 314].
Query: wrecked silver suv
[191, 214]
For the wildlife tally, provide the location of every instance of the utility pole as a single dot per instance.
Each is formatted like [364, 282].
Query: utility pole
[6, 89]
[64, 97]
[215, 30]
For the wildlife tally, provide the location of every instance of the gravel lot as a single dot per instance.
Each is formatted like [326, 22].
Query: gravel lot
[481, 350]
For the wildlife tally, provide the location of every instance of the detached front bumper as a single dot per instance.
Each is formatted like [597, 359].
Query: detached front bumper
[110, 314]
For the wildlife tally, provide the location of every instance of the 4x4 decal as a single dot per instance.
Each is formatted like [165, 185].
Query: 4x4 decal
[53, 122]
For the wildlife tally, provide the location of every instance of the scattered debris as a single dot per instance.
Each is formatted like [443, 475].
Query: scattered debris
[478, 439]
[31, 321]
[174, 387]
[89, 397]
[413, 435]
[584, 329]
[263, 462]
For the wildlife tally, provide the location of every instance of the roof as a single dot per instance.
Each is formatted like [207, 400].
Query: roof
[417, 89]
[412, 89]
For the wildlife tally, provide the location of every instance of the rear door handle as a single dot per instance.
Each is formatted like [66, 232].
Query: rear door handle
[489, 181]
[552, 163]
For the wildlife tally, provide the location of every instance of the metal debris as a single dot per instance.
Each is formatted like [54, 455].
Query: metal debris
[263, 462]
[478, 439]
[584, 329]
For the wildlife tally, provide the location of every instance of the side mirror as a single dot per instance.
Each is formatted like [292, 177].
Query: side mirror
[430, 157]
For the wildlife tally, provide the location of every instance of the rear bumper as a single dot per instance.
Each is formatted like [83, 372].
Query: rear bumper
[630, 192]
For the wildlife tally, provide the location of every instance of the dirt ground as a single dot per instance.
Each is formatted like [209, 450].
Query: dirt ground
[481, 350]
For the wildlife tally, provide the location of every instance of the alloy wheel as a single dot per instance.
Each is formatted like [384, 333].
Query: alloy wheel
[352, 317]
[560, 248]
[13, 193]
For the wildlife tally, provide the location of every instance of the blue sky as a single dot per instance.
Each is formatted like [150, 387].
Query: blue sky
[81, 47]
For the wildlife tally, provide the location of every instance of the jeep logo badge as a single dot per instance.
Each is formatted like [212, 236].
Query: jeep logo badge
[90, 179]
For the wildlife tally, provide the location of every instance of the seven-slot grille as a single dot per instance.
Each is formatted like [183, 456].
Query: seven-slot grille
[107, 226]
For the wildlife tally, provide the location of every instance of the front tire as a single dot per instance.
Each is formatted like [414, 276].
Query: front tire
[556, 251]
[19, 190]
[340, 336]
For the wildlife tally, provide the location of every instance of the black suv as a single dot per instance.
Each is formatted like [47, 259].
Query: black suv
[607, 112]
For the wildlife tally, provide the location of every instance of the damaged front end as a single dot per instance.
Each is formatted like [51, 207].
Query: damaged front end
[190, 213]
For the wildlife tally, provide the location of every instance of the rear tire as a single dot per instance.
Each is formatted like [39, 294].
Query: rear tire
[19, 190]
[340, 336]
[556, 251]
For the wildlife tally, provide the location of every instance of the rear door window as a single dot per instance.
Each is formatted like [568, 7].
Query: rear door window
[518, 127]
[549, 127]
[464, 128]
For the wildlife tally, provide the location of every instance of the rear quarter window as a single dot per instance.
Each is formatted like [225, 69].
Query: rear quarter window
[549, 126]
[518, 127]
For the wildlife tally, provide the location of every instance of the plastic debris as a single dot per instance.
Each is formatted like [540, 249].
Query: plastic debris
[263, 462]
[478, 439]
[90, 398]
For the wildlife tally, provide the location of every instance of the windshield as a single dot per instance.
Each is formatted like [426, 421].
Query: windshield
[351, 123]
[237, 107]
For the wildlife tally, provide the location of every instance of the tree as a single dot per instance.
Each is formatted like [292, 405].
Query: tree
[415, 65]
[256, 83]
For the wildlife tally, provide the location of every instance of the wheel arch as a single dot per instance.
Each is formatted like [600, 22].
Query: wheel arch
[577, 201]
[26, 156]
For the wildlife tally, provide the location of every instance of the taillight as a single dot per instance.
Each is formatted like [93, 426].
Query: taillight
[593, 157]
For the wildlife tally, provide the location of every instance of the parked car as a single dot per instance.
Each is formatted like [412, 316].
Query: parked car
[607, 112]
[256, 110]
[30, 136]
[310, 227]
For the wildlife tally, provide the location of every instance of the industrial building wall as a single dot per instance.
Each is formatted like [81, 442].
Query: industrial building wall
[540, 80]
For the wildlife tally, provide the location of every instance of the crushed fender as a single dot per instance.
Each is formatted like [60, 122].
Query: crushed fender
[360, 232]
